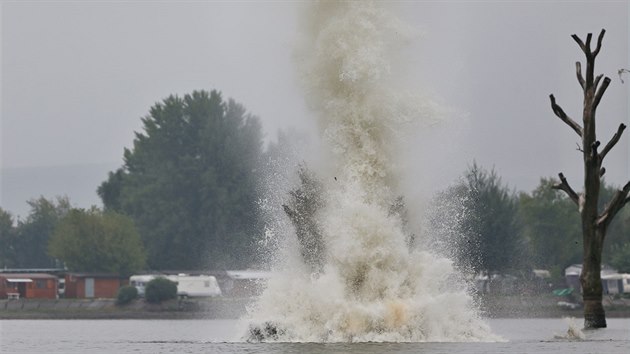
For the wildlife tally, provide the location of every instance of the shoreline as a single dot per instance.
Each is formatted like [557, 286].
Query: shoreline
[234, 308]
[212, 308]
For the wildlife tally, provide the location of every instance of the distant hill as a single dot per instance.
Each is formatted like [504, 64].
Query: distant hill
[79, 182]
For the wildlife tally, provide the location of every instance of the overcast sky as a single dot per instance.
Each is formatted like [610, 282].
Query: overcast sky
[78, 75]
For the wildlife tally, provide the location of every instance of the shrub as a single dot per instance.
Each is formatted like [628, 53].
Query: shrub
[126, 294]
[160, 289]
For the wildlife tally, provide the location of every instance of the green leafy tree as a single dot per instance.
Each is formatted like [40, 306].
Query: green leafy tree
[126, 294]
[190, 182]
[551, 227]
[160, 289]
[618, 232]
[484, 233]
[96, 241]
[7, 240]
[620, 258]
[616, 251]
[33, 234]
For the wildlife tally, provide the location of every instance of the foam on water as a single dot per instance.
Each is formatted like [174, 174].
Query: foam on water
[373, 286]
[574, 332]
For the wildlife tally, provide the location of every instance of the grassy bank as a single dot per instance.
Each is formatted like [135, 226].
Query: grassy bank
[514, 306]
[212, 308]
[544, 306]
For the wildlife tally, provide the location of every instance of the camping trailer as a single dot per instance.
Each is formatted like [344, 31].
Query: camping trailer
[616, 283]
[196, 285]
[187, 285]
[140, 282]
[245, 283]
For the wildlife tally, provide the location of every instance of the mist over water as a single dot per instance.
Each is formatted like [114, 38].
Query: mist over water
[373, 285]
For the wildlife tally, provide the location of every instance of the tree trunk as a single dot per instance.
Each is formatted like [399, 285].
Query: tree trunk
[593, 236]
[594, 315]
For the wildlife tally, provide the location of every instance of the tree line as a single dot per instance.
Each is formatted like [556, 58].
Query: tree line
[186, 198]
[493, 229]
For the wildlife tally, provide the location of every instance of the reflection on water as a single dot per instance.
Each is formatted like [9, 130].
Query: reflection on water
[217, 336]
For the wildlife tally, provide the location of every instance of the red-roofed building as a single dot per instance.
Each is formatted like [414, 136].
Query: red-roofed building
[93, 285]
[28, 286]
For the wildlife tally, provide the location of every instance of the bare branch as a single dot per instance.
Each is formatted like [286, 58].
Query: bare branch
[600, 93]
[579, 42]
[579, 148]
[620, 72]
[564, 186]
[617, 202]
[613, 141]
[563, 116]
[594, 147]
[599, 77]
[578, 73]
[589, 36]
[599, 42]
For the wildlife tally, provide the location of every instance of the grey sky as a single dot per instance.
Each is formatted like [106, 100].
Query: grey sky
[77, 76]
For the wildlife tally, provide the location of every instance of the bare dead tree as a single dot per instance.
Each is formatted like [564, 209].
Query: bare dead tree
[399, 209]
[302, 207]
[594, 221]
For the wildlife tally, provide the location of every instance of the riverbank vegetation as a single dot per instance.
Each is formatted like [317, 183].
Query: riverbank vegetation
[493, 306]
[186, 198]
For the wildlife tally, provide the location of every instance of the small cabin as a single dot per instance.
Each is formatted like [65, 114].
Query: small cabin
[28, 286]
[93, 285]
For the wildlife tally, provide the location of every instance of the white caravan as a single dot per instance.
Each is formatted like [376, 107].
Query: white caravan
[187, 285]
[140, 282]
[196, 285]
[616, 283]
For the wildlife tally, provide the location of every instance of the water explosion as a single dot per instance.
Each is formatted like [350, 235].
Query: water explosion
[359, 278]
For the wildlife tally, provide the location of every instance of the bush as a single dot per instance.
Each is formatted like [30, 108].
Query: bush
[126, 294]
[160, 289]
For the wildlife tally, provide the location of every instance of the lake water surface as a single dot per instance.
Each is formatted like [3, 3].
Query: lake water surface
[222, 336]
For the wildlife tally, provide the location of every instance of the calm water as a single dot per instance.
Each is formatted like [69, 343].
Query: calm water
[218, 336]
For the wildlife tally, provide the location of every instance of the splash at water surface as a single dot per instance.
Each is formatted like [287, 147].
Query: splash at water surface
[370, 283]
